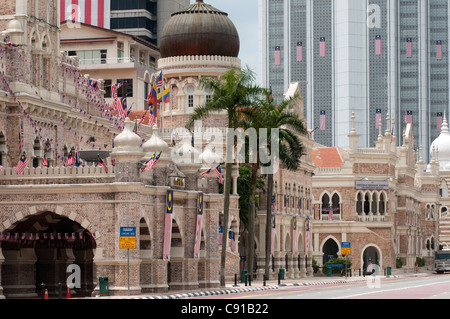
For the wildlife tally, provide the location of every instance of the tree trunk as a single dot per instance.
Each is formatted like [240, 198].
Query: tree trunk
[251, 220]
[268, 222]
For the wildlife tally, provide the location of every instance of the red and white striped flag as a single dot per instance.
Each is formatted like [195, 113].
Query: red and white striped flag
[218, 172]
[277, 55]
[378, 118]
[168, 225]
[22, 164]
[439, 50]
[272, 239]
[378, 44]
[294, 235]
[409, 117]
[323, 120]
[93, 12]
[299, 51]
[409, 47]
[198, 230]
[322, 47]
[439, 121]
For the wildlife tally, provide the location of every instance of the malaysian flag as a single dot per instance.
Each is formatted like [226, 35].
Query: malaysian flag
[69, 159]
[439, 50]
[232, 242]
[378, 118]
[439, 121]
[306, 237]
[299, 51]
[409, 47]
[220, 235]
[168, 224]
[277, 55]
[409, 117]
[378, 44]
[22, 164]
[323, 120]
[218, 172]
[159, 80]
[294, 235]
[101, 163]
[272, 239]
[77, 157]
[151, 162]
[198, 230]
[44, 161]
[93, 12]
[206, 172]
[122, 109]
[322, 47]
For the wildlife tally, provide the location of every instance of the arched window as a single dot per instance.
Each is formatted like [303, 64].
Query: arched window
[190, 96]
[359, 204]
[366, 204]
[374, 203]
[382, 204]
[336, 203]
[325, 203]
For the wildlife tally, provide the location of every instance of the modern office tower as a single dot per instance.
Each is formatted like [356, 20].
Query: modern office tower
[141, 18]
[374, 57]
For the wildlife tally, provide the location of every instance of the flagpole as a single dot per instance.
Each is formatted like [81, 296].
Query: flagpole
[162, 103]
[171, 110]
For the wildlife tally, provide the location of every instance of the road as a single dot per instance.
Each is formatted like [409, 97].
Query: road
[423, 287]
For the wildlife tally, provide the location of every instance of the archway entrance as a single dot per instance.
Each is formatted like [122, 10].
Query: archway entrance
[38, 251]
[371, 259]
[330, 250]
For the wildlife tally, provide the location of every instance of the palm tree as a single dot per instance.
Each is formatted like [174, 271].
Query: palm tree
[266, 114]
[231, 92]
[282, 120]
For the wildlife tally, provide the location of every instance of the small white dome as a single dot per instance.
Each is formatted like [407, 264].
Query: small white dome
[155, 144]
[186, 154]
[14, 26]
[209, 158]
[127, 141]
[442, 146]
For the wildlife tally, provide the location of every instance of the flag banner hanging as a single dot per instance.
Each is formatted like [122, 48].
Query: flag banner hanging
[232, 241]
[439, 50]
[22, 164]
[306, 237]
[322, 47]
[101, 163]
[409, 117]
[46, 240]
[220, 235]
[198, 231]
[378, 44]
[378, 118]
[168, 224]
[93, 12]
[323, 120]
[272, 240]
[273, 204]
[409, 47]
[439, 121]
[277, 55]
[218, 172]
[299, 51]
[294, 235]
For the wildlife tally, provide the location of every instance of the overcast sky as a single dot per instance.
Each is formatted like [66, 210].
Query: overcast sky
[244, 14]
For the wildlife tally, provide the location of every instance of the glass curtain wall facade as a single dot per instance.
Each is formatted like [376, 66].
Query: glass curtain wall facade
[380, 55]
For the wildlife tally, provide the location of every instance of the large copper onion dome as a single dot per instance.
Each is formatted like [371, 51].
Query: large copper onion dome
[200, 29]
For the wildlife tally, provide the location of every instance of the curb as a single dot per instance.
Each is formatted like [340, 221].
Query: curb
[209, 293]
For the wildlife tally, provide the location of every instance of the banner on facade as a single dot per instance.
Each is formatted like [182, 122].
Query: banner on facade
[168, 224]
[198, 230]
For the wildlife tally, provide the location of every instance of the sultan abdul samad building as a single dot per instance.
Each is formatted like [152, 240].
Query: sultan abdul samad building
[58, 214]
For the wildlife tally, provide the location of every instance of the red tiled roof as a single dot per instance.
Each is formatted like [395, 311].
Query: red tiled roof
[328, 156]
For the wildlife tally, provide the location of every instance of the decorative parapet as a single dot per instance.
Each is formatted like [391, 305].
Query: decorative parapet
[199, 61]
[58, 175]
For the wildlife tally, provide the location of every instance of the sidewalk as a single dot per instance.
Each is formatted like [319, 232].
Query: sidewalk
[231, 288]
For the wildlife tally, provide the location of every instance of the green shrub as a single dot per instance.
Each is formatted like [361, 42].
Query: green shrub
[334, 261]
[398, 263]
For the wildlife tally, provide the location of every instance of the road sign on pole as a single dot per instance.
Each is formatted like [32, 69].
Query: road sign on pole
[346, 248]
[127, 237]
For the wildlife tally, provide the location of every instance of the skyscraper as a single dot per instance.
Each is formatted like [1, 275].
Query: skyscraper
[361, 56]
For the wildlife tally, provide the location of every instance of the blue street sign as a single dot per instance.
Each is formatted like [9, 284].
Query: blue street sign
[127, 231]
[346, 245]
